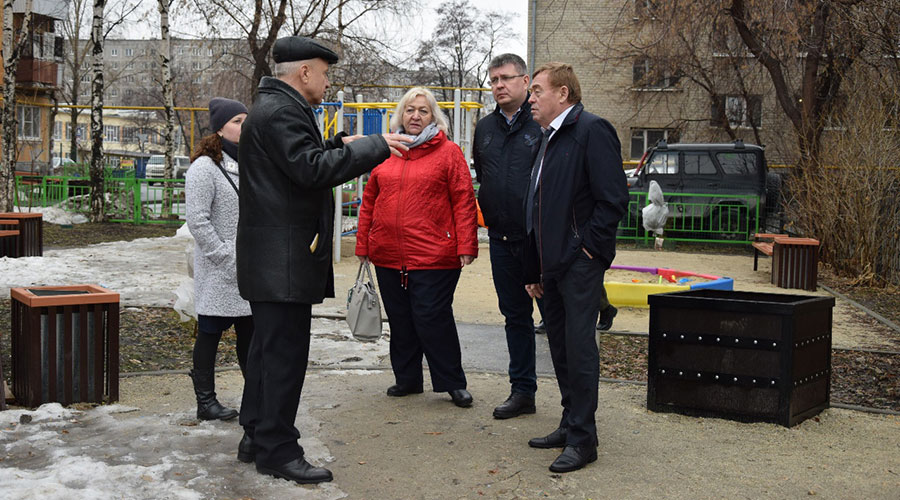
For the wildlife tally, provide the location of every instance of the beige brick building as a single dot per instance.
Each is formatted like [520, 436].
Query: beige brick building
[591, 34]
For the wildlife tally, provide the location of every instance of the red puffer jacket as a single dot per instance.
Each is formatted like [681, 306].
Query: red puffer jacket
[418, 211]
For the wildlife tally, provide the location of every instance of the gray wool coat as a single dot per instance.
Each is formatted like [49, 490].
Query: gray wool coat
[212, 217]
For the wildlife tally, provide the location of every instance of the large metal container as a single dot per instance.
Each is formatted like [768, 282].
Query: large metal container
[65, 344]
[740, 355]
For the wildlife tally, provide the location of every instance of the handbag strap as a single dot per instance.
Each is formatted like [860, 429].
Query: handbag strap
[230, 181]
[368, 271]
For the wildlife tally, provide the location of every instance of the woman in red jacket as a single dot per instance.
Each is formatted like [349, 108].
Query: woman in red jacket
[417, 225]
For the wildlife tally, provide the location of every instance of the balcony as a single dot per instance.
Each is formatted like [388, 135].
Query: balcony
[36, 72]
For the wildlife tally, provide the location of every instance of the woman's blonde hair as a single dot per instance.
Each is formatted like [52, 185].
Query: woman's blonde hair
[439, 118]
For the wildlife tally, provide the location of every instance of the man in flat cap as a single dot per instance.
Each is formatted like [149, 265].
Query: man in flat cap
[284, 244]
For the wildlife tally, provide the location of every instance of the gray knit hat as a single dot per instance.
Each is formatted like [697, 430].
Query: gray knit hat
[222, 110]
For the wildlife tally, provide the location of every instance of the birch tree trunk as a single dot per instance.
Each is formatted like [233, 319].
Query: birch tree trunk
[12, 51]
[98, 214]
[165, 55]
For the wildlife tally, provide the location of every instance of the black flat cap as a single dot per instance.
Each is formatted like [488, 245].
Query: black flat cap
[300, 48]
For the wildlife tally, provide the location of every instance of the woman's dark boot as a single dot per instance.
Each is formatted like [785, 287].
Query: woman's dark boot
[208, 407]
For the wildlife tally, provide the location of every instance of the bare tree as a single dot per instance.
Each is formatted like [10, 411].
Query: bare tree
[80, 49]
[261, 23]
[12, 51]
[462, 44]
[165, 56]
[96, 170]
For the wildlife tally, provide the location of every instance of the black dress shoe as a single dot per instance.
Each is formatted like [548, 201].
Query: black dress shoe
[517, 404]
[246, 449]
[398, 391]
[573, 458]
[297, 470]
[606, 318]
[461, 398]
[556, 439]
[540, 328]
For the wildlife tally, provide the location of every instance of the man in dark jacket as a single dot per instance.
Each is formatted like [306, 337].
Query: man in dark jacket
[577, 195]
[284, 244]
[504, 148]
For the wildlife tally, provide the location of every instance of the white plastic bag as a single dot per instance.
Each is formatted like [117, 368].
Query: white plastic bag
[656, 212]
[184, 300]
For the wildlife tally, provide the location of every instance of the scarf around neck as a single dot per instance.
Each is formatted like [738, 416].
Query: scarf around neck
[424, 136]
[230, 149]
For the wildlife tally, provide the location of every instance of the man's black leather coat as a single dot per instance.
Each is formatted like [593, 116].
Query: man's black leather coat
[286, 224]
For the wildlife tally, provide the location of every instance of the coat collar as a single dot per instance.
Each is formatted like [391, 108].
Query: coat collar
[272, 85]
[523, 116]
[573, 115]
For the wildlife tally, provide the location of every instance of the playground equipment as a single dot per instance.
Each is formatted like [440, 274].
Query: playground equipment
[635, 294]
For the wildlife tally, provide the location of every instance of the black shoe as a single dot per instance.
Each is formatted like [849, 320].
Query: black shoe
[516, 404]
[461, 398]
[297, 470]
[246, 449]
[540, 328]
[556, 439]
[573, 458]
[606, 318]
[208, 407]
[398, 391]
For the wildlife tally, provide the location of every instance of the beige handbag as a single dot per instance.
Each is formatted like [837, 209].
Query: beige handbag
[363, 307]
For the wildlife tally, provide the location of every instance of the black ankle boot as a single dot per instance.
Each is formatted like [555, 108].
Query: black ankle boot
[208, 407]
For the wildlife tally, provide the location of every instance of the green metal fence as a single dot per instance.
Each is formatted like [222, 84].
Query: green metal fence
[696, 217]
[693, 217]
[128, 199]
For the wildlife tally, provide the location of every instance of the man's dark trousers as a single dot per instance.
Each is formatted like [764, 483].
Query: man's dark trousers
[421, 319]
[276, 369]
[517, 307]
[572, 303]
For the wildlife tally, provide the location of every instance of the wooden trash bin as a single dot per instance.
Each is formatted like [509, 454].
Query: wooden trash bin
[31, 233]
[740, 355]
[795, 263]
[65, 344]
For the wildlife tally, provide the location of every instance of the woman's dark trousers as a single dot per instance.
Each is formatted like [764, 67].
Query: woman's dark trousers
[209, 333]
[421, 320]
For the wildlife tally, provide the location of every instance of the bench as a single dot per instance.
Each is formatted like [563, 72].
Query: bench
[764, 243]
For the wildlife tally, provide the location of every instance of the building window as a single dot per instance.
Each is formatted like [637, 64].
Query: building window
[195, 51]
[114, 65]
[643, 139]
[197, 80]
[129, 92]
[83, 92]
[130, 65]
[111, 133]
[648, 75]
[29, 126]
[113, 92]
[740, 111]
[209, 52]
[129, 79]
[195, 65]
[57, 130]
[143, 52]
[85, 78]
[114, 52]
[129, 52]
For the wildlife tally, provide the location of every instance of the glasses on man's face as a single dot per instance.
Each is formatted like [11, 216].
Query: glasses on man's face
[503, 78]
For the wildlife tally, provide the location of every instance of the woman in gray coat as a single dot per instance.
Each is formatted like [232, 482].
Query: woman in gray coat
[211, 194]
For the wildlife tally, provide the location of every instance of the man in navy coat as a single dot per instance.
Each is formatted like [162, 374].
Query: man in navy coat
[575, 200]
